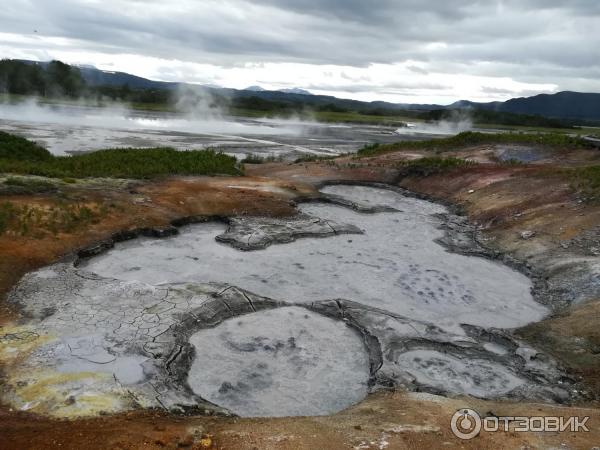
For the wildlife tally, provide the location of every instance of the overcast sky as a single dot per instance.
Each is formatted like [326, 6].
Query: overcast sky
[396, 50]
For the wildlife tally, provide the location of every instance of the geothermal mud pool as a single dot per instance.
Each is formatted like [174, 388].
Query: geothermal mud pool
[274, 317]
[287, 362]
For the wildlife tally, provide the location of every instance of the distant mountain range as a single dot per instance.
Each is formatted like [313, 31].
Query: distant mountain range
[255, 89]
[295, 91]
[97, 77]
[285, 91]
[562, 105]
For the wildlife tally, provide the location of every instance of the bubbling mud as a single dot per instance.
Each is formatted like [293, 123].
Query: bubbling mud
[284, 362]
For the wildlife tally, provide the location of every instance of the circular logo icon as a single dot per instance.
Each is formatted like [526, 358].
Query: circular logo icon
[466, 424]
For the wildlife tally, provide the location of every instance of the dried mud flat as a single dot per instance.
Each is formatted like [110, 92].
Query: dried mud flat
[502, 203]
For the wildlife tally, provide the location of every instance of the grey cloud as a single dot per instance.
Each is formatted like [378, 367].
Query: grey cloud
[391, 87]
[514, 38]
[494, 90]
[417, 69]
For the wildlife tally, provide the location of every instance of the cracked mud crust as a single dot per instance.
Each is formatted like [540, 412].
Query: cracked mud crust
[256, 233]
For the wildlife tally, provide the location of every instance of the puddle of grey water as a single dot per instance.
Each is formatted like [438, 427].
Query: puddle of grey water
[87, 354]
[283, 362]
[395, 265]
[520, 153]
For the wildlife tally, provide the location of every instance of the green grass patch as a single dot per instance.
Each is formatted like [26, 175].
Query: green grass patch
[531, 129]
[356, 117]
[257, 159]
[469, 138]
[253, 159]
[21, 149]
[114, 163]
[6, 215]
[29, 185]
[586, 181]
[324, 116]
[313, 158]
[425, 167]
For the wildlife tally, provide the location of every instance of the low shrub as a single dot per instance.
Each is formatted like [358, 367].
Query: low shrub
[257, 159]
[425, 167]
[469, 138]
[313, 158]
[586, 181]
[125, 163]
[29, 185]
[21, 149]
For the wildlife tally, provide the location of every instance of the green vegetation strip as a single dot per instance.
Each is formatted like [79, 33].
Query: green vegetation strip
[313, 158]
[16, 148]
[425, 167]
[20, 156]
[469, 138]
[586, 181]
[258, 159]
[27, 185]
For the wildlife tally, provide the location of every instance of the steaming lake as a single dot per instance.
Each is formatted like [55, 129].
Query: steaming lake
[72, 129]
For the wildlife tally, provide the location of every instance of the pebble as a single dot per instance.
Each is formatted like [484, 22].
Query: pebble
[528, 234]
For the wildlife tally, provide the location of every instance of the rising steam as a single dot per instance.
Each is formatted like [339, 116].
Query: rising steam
[457, 122]
[82, 126]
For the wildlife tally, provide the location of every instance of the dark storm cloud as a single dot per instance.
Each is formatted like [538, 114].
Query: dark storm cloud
[525, 34]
